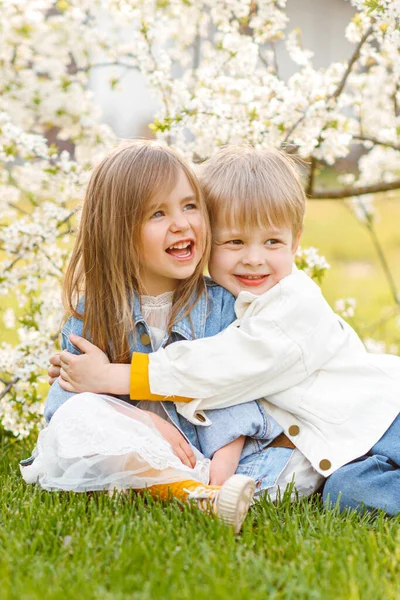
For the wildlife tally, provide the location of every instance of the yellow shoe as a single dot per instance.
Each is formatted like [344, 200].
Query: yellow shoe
[230, 501]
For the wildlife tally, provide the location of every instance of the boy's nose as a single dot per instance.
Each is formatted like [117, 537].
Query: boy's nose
[254, 257]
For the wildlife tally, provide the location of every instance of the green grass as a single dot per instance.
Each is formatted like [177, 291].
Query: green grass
[71, 546]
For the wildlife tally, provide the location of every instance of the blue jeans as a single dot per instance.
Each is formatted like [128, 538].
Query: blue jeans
[264, 466]
[372, 481]
[248, 419]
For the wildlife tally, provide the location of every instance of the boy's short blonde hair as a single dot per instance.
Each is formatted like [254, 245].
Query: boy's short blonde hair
[253, 188]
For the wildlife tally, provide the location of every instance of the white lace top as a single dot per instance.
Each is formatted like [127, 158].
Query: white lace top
[156, 311]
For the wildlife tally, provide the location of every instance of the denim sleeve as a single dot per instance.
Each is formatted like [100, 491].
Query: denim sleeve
[228, 424]
[228, 309]
[57, 396]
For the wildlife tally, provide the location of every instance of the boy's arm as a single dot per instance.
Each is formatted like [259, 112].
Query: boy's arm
[86, 368]
[273, 348]
[243, 362]
[267, 352]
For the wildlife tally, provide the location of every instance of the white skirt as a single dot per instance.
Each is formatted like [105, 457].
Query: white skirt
[97, 442]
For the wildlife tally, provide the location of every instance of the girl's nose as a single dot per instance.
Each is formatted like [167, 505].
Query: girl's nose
[180, 223]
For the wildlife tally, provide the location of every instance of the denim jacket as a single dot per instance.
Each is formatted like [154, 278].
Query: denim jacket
[213, 312]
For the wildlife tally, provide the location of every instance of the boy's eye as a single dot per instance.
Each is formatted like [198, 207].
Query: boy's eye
[272, 242]
[235, 242]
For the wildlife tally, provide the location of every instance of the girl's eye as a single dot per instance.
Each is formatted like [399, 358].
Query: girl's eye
[158, 213]
[190, 206]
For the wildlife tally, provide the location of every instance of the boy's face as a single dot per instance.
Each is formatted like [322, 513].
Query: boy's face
[254, 261]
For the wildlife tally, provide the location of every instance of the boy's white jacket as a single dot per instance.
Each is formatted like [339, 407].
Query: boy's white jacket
[333, 398]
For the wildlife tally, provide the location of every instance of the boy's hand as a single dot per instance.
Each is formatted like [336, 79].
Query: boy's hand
[225, 461]
[174, 437]
[54, 368]
[86, 372]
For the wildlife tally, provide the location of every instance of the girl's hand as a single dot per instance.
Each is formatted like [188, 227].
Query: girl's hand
[174, 437]
[86, 372]
[54, 368]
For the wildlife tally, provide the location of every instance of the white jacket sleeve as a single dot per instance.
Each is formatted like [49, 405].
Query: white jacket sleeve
[240, 364]
[283, 337]
[256, 365]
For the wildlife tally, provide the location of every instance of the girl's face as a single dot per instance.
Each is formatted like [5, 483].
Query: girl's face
[172, 239]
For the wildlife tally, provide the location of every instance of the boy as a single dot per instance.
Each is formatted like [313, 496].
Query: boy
[338, 404]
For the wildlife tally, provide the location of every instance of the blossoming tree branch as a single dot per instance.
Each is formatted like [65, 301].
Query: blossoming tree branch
[213, 66]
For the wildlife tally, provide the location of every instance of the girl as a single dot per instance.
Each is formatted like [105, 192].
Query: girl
[142, 247]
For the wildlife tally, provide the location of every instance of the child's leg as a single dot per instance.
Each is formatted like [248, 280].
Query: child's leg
[300, 475]
[230, 502]
[228, 424]
[274, 468]
[372, 481]
[94, 442]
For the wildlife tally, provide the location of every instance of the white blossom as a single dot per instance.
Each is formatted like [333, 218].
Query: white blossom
[362, 207]
[380, 347]
[9, 318]
[311, 262]
[345, 307]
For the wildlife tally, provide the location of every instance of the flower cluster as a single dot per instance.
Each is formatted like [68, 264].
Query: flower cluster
[311, 262]
[213, 66]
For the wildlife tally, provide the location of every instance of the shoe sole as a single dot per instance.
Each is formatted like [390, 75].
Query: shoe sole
[234, 500]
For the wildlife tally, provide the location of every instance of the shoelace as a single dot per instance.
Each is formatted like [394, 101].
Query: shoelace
[205, 496]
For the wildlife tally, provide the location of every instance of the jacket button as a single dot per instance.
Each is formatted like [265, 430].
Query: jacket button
[200, 417]
[294, 430]
[145, 339]
[325, 464]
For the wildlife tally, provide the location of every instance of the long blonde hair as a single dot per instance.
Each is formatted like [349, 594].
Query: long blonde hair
[105, 263]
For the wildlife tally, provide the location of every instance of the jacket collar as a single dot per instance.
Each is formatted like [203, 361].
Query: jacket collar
[183, 326]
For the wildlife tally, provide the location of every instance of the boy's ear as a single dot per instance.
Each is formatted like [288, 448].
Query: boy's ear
[296, 241]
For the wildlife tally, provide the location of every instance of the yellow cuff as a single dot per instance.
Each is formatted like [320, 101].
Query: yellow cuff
[139, 381]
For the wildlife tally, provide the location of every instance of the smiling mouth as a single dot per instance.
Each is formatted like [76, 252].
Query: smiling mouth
[182, 251]
[252, 280]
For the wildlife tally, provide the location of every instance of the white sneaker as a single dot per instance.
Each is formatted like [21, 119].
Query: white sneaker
[230, 501]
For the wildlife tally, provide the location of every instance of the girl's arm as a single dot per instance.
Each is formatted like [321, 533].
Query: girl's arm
[57, 394]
